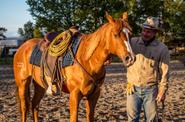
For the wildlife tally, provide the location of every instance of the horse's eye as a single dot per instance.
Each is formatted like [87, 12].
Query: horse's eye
[116, 35]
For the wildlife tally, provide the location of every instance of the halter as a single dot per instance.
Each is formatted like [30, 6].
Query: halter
[126, 31]
[127, 43]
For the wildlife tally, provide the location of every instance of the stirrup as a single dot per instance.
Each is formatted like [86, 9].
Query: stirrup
[53, 90]
[49, 90]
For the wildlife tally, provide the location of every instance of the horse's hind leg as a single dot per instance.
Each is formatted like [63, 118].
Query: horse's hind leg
[38, 95]
[91, 104]
[24, 96]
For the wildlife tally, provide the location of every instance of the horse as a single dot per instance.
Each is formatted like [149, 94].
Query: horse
[85, 77]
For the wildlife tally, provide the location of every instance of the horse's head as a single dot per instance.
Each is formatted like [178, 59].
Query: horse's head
[118, 32]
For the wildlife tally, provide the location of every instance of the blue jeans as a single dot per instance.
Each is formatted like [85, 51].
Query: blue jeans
[142, 97]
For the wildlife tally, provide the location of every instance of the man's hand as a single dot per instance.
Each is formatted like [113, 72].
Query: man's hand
[130, 88]
[160, 97]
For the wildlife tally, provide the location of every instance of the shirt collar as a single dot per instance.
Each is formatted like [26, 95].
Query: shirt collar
[153, 43]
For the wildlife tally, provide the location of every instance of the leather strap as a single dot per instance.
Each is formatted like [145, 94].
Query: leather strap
[84, 70]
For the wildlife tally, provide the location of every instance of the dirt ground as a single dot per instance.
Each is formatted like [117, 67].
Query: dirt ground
[111, 106]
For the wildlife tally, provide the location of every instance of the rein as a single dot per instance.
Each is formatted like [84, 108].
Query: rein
[88, 74]
[84, 70]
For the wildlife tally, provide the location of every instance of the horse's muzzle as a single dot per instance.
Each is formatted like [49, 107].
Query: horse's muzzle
[129, 60]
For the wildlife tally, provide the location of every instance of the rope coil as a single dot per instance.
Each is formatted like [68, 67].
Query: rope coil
[57, 48]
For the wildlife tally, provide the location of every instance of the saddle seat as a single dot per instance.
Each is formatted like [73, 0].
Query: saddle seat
[48, 38]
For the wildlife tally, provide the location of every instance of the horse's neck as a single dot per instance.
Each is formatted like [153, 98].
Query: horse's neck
[99, 55]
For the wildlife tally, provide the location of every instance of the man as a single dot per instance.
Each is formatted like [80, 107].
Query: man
[148, 76]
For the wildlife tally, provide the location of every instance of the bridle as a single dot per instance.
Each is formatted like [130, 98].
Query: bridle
[127, 43]
[126, 31]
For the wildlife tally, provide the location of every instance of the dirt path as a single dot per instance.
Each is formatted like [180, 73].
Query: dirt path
[111, 105]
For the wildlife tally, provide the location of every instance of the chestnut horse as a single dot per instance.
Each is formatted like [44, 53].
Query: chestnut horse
[83, 79]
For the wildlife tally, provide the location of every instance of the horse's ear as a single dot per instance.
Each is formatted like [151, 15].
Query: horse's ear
[125, 16]
[109, 18]
[125, 19]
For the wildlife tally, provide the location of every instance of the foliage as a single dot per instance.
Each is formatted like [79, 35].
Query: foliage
[173, 16]
[37, 33]
[2, 31]
[27, 31]
[140, 9]
[30, 31]
[59, 15]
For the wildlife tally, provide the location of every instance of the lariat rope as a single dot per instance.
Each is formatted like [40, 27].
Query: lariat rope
[58, 49]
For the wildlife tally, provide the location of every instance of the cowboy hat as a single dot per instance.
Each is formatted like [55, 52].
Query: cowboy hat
[151, 23]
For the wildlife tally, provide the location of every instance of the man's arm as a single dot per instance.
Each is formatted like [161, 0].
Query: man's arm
[164, 68]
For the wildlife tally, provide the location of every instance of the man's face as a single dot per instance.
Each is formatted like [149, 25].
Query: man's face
[148, 34]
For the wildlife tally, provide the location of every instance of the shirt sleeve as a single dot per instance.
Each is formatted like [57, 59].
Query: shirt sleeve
[164, 70]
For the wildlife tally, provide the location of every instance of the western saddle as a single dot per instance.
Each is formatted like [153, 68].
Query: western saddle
[50, 65]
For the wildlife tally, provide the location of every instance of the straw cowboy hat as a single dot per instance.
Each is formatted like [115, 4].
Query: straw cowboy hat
[152, 23]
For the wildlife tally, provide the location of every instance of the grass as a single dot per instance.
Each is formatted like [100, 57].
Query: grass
[6, 61]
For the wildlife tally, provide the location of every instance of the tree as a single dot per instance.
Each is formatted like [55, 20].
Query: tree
[27, 31]
[173, 17]
[139, 10]
[2, 31]
[59, 15]
[37, 33]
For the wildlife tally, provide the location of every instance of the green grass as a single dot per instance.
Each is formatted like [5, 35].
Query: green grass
[6, 61]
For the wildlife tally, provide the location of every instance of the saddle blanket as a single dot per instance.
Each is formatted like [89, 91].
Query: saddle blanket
[36, 56]
[67, 59]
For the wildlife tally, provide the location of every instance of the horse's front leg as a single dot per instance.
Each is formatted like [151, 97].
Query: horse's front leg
[91, 104]
[75, 97]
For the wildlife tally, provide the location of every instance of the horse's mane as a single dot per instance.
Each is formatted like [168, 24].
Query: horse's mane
[92, 40]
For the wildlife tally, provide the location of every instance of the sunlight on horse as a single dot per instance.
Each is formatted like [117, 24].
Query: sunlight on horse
[93, 51]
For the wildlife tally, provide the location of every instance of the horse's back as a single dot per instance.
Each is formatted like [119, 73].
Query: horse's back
[21, 59]
[26, 46]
